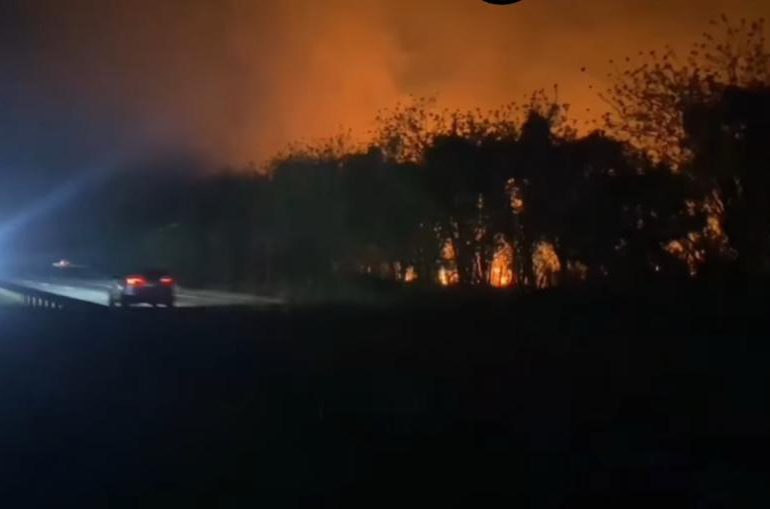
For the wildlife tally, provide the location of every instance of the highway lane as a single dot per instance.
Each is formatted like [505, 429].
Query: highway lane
[96, 291]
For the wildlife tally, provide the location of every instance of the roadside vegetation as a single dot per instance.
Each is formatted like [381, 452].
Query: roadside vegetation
[672, 182]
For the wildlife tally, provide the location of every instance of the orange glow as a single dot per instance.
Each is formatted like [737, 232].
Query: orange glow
[448, 251]
[447, 274]
[448, 277]
[240, 80]
[694, 248]
[688, 250]
[514, 191]
[410, 275]
[501, 268]
[546, 264]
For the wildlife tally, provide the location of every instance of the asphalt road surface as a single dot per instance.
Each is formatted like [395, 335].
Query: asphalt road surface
[96, 291]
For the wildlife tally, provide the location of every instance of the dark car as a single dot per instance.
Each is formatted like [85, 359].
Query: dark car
[154, 287]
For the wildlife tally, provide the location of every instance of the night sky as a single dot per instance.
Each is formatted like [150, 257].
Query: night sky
[91, 84]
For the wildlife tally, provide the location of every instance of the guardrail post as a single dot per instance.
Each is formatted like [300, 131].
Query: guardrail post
[35, 298]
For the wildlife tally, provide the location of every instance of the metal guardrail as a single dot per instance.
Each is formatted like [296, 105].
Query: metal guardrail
[32, 297]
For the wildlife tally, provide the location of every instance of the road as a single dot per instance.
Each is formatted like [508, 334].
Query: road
[9, 299]
[96, 291]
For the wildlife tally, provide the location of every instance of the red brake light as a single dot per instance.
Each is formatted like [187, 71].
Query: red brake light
[167, 281]
[135, 281]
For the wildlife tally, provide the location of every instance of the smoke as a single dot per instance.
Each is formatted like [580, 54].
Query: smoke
[236, 80]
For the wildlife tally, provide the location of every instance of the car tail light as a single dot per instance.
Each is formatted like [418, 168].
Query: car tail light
[167, 281]
[136, 281]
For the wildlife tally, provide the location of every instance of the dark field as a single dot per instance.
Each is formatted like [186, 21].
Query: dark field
[551, 400]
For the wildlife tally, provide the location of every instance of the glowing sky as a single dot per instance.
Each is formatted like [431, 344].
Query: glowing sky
[235, 80]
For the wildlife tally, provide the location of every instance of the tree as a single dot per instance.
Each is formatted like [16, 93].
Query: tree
[698, 116]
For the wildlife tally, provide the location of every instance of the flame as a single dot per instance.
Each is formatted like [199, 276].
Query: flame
[410, 275]
[546, 264]
[501, 269]
[448, 276]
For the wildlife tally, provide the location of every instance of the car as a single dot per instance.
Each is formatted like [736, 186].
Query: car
[154, 287]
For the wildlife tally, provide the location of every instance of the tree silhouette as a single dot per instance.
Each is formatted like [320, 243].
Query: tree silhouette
[675, 184]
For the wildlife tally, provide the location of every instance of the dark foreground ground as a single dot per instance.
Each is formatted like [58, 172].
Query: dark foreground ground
[552, 400]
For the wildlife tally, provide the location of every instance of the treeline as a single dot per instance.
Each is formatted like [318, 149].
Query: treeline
[674, 182]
